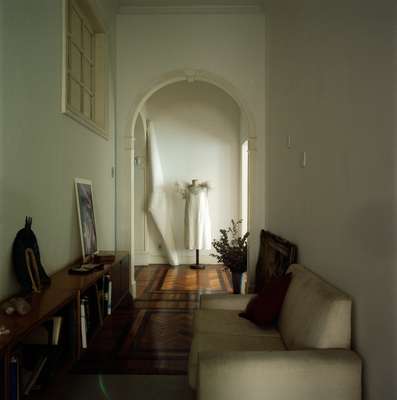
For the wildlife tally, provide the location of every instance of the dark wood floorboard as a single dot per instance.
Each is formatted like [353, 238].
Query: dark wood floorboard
[152, 334]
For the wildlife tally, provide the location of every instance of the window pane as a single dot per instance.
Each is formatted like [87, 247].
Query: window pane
[85, 79]
[75, 95]
[75, 58]
[75, 26]
[87, 43]
[87, 104]
[87, 74]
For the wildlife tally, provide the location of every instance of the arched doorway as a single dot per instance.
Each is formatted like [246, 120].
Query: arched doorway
[247, 128]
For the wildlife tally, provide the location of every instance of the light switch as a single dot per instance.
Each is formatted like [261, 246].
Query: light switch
[289, 141]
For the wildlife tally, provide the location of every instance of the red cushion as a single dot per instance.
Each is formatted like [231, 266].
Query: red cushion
[265, 307]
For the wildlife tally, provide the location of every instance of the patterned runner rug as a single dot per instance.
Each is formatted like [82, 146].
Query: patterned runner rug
[153, 333]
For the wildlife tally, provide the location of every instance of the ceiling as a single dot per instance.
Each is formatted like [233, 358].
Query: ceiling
[188, 3]
[193, 5]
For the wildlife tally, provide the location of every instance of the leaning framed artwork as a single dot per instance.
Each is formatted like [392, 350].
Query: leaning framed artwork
[85, 211]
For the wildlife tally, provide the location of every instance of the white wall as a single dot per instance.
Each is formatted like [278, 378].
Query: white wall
[198, 129]
[331, 85]
[42, 150]
[229, 46]
[140, 203]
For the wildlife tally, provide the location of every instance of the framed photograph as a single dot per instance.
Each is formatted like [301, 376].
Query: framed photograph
[85, 211]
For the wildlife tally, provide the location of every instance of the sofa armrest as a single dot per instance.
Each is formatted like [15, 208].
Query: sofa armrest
[225, 301]
[279, 375]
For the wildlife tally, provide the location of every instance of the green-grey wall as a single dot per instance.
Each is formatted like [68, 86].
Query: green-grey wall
[331, 85]
[42, 150]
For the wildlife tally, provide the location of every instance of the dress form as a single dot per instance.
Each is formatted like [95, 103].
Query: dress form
[197, 220]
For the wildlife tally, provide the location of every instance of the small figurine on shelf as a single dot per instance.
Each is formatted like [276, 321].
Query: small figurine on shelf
[4, 331]
[18, 305]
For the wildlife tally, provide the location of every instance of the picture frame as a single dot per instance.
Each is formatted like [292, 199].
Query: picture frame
[86, 218]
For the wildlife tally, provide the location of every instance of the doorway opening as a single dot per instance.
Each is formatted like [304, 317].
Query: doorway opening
[248, 130]
[198, 129]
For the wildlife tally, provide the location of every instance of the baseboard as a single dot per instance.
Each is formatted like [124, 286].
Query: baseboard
[155, 259]
[204, 259]
[183, 260]
[141, 259]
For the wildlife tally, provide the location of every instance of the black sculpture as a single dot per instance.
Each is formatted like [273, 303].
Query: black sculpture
[26, 260]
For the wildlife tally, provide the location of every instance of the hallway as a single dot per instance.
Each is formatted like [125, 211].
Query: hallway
[145, 339]
[152, 334]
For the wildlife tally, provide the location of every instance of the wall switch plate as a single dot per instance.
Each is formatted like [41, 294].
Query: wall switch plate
[289, 142]
[303, 159]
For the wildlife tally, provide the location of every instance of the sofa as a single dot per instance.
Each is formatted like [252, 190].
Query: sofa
[306, 355]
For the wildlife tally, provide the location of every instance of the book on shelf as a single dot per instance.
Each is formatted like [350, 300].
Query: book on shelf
[53, 360]
[32, 366]
[56, 329]
[101, 295]
[47, 333]
[84, 325]
[108, 294]
[36, 357]
[14, 378]
[32, 376]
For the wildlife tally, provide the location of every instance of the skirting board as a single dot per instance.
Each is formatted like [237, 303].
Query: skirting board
[141, 259]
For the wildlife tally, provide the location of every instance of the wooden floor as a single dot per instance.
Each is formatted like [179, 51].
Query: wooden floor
[153, 333]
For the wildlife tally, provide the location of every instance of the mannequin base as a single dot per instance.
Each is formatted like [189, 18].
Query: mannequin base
[198, 266]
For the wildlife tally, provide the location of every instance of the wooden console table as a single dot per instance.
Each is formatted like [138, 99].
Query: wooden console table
[65, 290]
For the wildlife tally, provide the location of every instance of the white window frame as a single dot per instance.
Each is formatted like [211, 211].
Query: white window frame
[97, 88]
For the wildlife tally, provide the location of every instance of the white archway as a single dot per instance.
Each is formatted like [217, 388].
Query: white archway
[189, 75]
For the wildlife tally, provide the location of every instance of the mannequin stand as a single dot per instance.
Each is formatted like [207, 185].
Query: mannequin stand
[197, 265]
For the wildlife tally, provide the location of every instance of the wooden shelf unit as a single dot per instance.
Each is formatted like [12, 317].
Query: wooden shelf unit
[66, 290]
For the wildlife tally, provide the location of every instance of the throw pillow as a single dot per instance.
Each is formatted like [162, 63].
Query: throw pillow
[265, 307]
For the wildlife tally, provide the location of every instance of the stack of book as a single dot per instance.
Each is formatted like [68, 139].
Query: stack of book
[93, 306]
[105, 295]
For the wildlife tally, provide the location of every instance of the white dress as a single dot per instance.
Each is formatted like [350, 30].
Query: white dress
[197, 218]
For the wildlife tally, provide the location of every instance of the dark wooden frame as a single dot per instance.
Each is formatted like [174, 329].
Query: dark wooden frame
[276, 254]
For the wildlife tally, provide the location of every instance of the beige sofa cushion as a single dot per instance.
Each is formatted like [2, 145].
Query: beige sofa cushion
[219, 342]
[279, 375]
[227, 322]
[314, 314]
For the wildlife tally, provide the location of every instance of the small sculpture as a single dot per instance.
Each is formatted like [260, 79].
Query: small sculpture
[18, 305]
[4, 331]
[26, 260]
